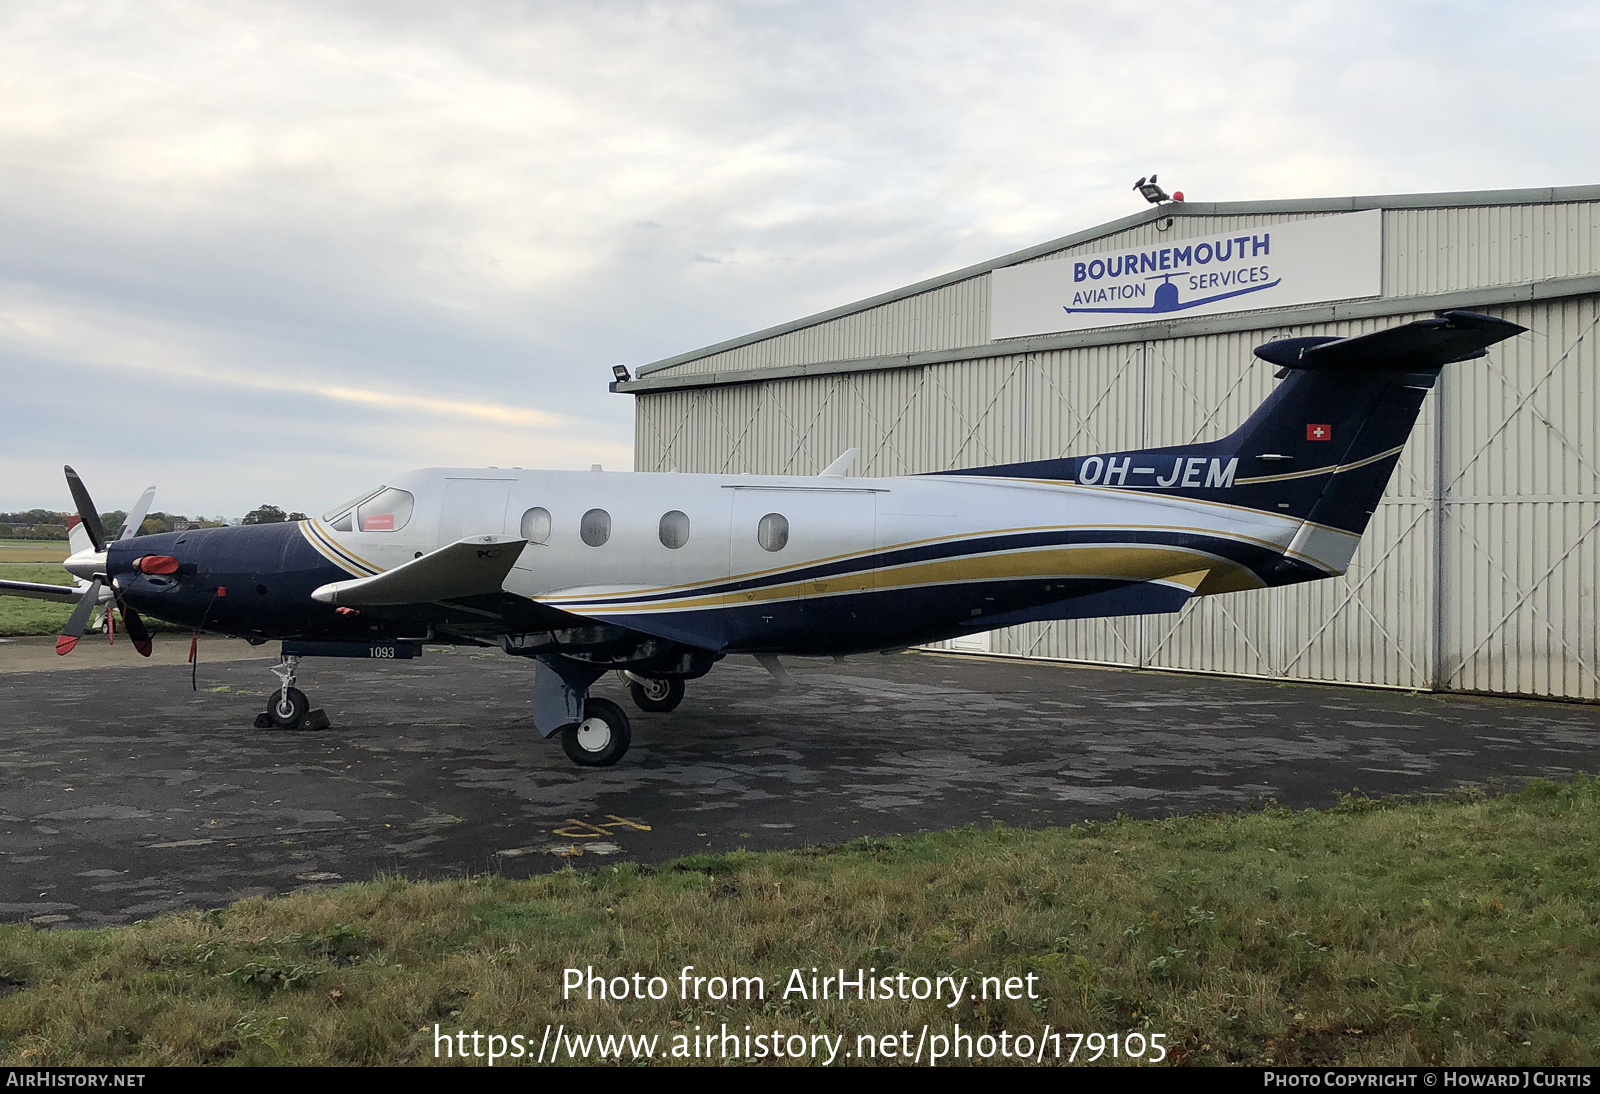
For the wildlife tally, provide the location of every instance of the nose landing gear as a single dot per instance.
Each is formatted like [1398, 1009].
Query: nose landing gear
[289, 708]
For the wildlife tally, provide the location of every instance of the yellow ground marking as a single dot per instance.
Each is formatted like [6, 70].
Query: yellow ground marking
[582, 829]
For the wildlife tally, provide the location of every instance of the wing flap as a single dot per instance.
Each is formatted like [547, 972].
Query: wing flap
[475, 566]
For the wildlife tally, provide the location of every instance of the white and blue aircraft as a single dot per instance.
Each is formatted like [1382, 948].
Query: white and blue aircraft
[659, 576]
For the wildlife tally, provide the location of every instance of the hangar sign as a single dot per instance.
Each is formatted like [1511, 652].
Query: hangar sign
[1272, 266]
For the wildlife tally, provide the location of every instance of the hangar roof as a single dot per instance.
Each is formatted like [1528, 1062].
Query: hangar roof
[656, 375]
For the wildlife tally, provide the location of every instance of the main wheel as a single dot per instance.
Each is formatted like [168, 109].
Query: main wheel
[601, 738]
[657, 694]
[287, 709]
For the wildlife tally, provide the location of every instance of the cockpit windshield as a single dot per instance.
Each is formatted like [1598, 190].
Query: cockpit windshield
[351, 504]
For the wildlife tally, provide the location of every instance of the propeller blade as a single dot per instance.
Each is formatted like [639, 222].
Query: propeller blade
[137, 634]
[80, 619]
[87, 512]
[130, 527]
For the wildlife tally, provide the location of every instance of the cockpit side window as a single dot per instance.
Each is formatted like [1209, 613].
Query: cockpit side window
[387, 512]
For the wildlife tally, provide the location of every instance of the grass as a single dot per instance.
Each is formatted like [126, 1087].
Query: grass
[40, 562]
[32, 550]
[1450, 932]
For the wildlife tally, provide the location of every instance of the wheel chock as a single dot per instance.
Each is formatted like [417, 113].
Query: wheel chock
[263, 720]
[315, 719]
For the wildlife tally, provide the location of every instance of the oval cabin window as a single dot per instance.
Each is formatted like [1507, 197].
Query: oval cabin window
[595, 528]
[536, 525]
[674, 530]
[773, 532]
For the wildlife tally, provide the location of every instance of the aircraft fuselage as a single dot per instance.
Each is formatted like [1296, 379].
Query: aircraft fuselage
[735, 563]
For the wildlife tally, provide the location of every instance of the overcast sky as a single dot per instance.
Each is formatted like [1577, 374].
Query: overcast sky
[277, 252]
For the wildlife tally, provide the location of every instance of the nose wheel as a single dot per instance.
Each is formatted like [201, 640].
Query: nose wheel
[289, 708]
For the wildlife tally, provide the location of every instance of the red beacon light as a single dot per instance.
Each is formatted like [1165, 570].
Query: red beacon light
[156, 564]
[1177, 195]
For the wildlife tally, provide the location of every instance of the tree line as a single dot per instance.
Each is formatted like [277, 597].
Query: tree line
[50, 524]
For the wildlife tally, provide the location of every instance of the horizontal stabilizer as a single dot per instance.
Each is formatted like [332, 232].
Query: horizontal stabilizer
[1425, 344]
[470, 567]
[61, 594]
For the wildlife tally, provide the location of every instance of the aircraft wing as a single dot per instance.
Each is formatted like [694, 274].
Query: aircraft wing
[62, 594]
[460, 587]
[475, 566]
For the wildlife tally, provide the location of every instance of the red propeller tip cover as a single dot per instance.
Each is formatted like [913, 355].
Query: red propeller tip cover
[64, 644]
[143, 648]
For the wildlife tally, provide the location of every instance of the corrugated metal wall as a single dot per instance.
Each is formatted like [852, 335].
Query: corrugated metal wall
[1479, 571]
[1520, 554]
[945, 318]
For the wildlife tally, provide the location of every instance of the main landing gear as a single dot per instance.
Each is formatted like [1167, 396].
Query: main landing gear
[601, 738]
[289, 708]
[594, 732]
[604, 734]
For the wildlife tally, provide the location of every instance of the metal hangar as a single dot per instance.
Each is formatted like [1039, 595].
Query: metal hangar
[1479, 571]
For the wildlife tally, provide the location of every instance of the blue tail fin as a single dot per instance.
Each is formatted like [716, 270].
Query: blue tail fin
[1320, 448]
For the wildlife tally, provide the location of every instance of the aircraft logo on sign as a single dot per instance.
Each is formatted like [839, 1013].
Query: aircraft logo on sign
[1166, 298]
[1263, 265]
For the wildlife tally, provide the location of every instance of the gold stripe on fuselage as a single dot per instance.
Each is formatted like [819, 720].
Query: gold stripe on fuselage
[571, 601]
[1114, 562]
[335, 552]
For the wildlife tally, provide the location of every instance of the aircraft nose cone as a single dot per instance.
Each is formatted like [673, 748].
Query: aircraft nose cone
[86, 564]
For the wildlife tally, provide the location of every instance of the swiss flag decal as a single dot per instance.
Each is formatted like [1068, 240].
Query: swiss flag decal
[1322, 432]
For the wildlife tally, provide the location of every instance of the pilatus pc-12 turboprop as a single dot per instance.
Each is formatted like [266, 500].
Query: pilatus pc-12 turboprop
[659, 576]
